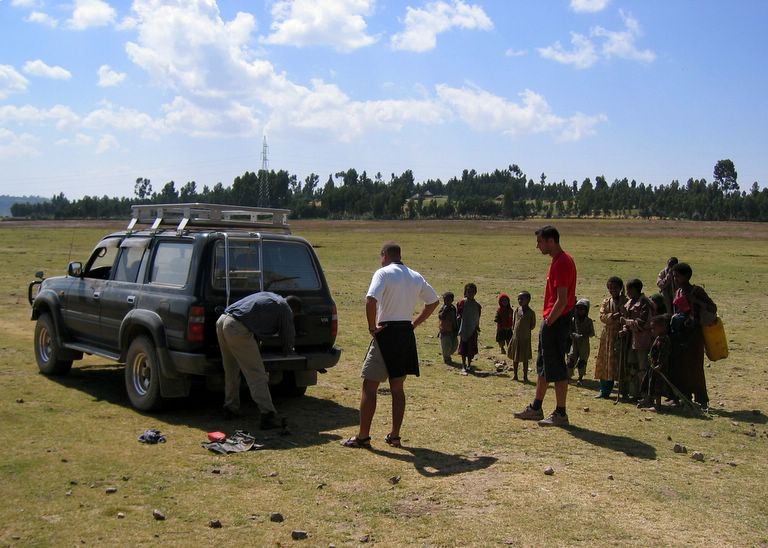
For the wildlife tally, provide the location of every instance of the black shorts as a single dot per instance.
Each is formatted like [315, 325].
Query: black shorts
[553, 345]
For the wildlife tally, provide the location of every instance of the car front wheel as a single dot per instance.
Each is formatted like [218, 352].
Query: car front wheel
[142, 375]
[47, 351]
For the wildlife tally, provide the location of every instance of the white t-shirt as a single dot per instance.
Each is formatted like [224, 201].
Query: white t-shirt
[397, 289]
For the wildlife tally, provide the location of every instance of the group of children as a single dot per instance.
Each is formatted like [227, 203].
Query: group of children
[635, 345]
[460, 325]
[634, 340]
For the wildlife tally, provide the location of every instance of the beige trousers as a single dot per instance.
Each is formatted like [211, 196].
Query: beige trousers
[240, 352]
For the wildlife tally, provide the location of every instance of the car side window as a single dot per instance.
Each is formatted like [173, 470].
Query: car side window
[102, 259]
[171, 263]
[128, 262]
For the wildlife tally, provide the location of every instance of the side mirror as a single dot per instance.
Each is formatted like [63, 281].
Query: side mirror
[39, 274]
[75, 269]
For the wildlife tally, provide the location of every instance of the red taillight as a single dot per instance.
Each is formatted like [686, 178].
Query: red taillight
[196, 324]
[334, 322]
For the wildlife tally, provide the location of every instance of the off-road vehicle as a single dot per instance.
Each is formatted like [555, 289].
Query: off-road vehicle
[149, 297]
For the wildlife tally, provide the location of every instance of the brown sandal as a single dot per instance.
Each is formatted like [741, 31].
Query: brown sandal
[394, 441]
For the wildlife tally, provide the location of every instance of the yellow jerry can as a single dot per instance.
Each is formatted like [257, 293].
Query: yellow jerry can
[715, 343]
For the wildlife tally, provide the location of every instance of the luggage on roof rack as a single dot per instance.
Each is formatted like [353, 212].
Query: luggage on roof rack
[210, 216]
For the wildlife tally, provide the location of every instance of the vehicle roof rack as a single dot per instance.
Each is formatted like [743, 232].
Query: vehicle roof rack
[209, 215]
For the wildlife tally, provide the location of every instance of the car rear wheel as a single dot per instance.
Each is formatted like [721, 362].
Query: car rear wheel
[142, 375]
[47, 350]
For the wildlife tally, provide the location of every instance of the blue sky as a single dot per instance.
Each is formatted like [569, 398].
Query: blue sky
[95, 93]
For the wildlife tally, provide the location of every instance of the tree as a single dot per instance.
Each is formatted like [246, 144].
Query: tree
[725, 176]
[188, 193]
[142, 188]
[169, 195]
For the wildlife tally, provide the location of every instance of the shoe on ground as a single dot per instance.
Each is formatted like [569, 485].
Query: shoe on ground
[270, 421]
[530, 414]
[555, 419]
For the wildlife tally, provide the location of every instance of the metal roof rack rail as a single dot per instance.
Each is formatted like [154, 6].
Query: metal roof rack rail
[209, 215]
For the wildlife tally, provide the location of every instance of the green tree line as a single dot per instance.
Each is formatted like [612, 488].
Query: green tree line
[504, 193]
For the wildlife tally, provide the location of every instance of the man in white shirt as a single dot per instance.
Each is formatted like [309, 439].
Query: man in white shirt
[392, 296]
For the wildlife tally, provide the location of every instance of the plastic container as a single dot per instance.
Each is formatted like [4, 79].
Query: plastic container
[715, 342]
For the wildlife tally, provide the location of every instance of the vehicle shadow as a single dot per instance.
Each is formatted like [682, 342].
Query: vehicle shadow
[309, 419]
[431, 463]
[629, 446]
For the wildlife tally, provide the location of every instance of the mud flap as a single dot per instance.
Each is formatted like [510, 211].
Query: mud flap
[174, 385]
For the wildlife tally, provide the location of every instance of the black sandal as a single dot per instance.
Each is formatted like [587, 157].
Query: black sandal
[357, 443]
[394, 441]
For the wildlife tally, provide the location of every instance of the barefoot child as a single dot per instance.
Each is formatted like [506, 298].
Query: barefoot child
[449, 327]
[582, 328]
[659, 358]
[504, 316]
[607, 362]
[468, 314]
[523, 323]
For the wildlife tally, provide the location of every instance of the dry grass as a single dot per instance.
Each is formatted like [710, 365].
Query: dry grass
[469, 473]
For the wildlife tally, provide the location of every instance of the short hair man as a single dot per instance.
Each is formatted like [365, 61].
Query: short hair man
[239, 329]
[392, 296]
[559, 300]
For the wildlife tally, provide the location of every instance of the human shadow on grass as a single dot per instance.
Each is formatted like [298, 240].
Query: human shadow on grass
[752, 416]
[431, 463]
[624, 444]
[308, 419]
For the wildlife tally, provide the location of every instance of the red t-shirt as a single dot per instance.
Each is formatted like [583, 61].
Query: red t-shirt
[562, 273]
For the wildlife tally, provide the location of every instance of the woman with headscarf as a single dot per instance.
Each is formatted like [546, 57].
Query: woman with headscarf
[693, 309]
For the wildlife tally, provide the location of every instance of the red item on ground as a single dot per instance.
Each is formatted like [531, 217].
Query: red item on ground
[217, 436]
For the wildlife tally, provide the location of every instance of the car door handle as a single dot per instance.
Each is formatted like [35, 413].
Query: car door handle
[131, 299]
[96, 295]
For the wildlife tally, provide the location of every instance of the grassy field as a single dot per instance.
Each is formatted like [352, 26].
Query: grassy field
[469, 473]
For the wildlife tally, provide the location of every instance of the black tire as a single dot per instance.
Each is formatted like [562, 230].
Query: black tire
[47, 350]
[287, 388]
[142, 375]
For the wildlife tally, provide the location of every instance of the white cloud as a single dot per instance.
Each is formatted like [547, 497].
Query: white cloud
[11, 81]
[63, 116]
[585, 53]
[484, 111]
[41, 69]
[109, 77]
[184, 116]
[42, 19]
[126, 23]
[339, 24]
[621, 44]
[223, 89]
[589, 6]
[91, 13]
[515, 52]
[120, 118]
[26, 3]
[106, 142]
[80, 139]
[423, 25]
[16, 146]
[582, 55]
[579, 126]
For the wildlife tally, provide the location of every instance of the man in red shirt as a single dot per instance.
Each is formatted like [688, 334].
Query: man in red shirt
[559, 300]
